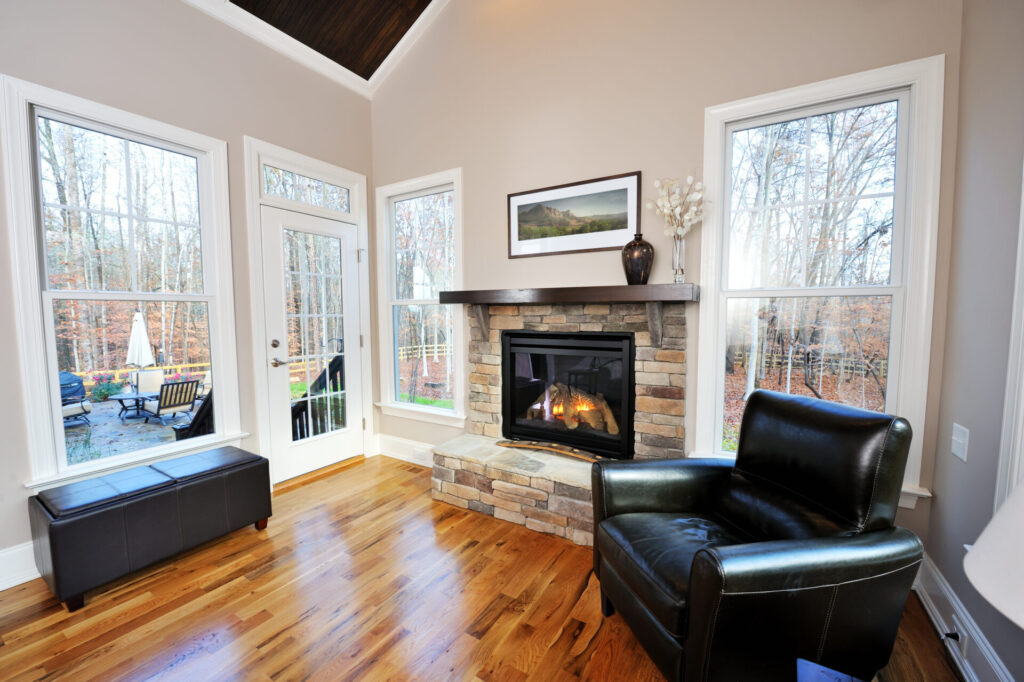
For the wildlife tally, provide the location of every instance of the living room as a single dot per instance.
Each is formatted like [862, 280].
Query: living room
[192, 166]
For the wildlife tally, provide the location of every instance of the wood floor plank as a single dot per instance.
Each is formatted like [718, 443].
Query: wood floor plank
[360, 575]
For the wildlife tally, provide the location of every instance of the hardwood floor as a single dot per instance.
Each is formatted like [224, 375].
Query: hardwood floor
[360, 575]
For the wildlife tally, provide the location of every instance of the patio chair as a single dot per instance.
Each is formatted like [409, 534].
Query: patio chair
[205, 385]
[147, 380]
[176, 397]
[76, 411]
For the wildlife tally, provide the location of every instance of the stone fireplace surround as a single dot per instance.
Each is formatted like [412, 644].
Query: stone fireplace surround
[543, 491]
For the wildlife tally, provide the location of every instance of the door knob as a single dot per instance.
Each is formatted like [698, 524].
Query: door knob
[277, 363]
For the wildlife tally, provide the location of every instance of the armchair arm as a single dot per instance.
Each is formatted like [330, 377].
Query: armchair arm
[793, 599]
[655, 485]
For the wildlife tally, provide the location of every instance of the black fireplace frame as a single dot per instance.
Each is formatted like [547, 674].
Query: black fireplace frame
[607, 344]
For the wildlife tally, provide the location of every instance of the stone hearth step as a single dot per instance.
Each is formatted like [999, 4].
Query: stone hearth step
[541, 490]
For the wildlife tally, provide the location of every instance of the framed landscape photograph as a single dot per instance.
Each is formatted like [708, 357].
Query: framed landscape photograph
[593, 215]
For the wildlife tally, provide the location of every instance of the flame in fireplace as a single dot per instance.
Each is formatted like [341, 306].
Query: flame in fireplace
[579, 404]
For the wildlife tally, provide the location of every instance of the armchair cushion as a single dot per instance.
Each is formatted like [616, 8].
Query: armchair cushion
[76, 408]
[652, 554]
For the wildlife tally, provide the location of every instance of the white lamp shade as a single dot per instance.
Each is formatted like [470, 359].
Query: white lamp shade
[995, 564]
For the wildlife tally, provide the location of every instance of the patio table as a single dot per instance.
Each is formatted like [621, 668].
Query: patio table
[132, 402]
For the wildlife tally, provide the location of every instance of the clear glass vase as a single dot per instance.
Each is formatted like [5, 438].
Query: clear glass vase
[678, 260]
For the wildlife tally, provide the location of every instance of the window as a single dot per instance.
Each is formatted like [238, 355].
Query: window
[818, 262]
[130, 325]
[423, 347]
[811, 220]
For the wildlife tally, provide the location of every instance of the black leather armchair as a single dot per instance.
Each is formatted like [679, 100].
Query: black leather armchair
[734, 570]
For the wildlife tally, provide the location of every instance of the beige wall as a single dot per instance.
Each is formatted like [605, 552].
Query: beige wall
[527, 94]
[168, 61]
[985, 234]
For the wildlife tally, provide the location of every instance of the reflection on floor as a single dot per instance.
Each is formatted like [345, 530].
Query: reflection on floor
[108, 436]
[359, 576]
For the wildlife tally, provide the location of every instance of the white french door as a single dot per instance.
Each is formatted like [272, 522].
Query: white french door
[311, 299]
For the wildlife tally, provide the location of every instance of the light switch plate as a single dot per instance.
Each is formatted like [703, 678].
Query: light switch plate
[959, 445]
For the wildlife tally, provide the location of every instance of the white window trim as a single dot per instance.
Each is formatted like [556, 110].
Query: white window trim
[41, 403]
[924, 78]
[388, 405]
[257, 153]
[1011, 445]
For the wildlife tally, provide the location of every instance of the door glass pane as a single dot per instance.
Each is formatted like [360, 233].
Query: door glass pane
[316, 344]
[834, 347]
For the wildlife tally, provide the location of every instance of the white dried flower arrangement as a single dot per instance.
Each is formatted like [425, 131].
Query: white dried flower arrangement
[681, 205]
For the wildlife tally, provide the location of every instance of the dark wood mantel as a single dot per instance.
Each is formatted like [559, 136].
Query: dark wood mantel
[653, 295]
[640, 293]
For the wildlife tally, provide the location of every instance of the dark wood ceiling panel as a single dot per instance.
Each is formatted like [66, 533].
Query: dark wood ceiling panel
[357, 34]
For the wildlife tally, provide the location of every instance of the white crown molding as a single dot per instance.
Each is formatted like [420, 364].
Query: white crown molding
[415, 32]
[262, 32]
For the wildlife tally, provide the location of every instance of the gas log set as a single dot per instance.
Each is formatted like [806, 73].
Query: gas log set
[574, 408]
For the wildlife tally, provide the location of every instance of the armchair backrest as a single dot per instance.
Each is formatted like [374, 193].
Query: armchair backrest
[808, 467]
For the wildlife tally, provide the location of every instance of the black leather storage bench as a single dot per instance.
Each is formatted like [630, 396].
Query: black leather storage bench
[89, 533]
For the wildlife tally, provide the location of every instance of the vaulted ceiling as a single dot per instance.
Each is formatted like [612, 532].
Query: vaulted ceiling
[357, 34]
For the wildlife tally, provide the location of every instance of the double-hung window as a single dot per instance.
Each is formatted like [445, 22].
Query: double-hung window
[127, 328]
[817, 251]
[421, 347]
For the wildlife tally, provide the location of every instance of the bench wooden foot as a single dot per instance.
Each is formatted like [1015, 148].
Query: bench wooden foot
[261, 524]
[74, 603]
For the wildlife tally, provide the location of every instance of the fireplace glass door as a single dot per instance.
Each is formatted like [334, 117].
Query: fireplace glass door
[575, 389]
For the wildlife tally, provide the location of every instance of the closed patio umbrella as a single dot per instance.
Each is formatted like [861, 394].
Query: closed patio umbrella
[140, 352]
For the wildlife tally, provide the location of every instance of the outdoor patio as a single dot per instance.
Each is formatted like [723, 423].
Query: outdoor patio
[108, 436]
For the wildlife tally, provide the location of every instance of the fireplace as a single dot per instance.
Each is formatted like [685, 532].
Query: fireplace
[572, 388]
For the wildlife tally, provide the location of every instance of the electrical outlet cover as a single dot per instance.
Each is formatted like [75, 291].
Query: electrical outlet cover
[958, 628]
[959, 443]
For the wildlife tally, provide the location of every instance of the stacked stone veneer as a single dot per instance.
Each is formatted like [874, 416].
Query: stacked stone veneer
[660, 370]
[541, 491]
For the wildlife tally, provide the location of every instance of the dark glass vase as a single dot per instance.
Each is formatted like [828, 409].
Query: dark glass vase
[637, 258]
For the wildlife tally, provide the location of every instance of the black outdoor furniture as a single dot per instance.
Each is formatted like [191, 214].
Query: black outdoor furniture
[202, 421]
[88, 533]
[71, 386]
[75, 411]
[131, 403]
[179, 396]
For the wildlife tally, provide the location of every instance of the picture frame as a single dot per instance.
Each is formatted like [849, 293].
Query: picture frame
[601, 214]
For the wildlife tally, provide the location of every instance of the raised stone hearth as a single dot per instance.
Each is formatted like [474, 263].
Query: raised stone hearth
[540, 490]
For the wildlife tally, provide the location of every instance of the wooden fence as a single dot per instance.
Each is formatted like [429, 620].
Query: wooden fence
[121, 375]
[430, 349]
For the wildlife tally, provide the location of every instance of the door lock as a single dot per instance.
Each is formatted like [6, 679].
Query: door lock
[274, 343]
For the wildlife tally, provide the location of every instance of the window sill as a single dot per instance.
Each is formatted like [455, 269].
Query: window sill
[100, 467]
[423, 414]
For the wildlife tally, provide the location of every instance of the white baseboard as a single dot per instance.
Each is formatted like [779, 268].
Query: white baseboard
[17, 565]
[413, 451]
[977, 661]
